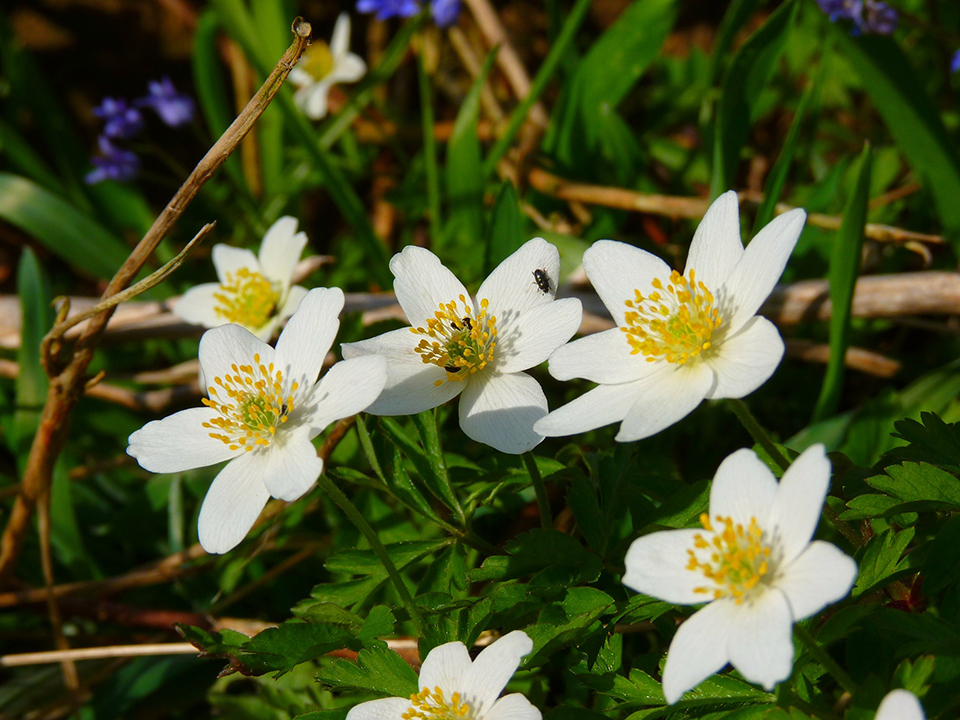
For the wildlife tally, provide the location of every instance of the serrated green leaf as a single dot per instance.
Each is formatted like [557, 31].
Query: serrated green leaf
[554, 556]
[377, 669]
[844, 271]
[869, 506]
[930, 440]
[745, 78]
[881, 560]
[566, 622]
[911, 482]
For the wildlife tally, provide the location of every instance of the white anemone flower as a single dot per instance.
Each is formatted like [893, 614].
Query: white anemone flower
[452, 687]
[900, 705]
[265, 408]
[680, 338]
[323, 66]
[753, 562]
[255, 292]
[479, 347]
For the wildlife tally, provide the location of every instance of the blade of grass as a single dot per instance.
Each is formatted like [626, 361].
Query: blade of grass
[430, 152]
[506, 229]
[773, 188]
[539, 84]
[745, 79]
[844, 270]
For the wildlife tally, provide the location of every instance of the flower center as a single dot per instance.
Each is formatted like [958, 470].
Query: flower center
[246, 298]
[736, 559]
[317, 60]
[251, 405]
[431, 705]
[673, 323]
[457, 340]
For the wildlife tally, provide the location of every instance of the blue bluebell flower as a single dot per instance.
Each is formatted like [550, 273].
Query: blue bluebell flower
[955, 62]
[386, 9]
[113, 163]
[120, 120]
[173, 107]
[869, 17]
[445, 12]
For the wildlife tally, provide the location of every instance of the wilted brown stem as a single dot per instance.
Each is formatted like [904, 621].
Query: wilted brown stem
[68, 383]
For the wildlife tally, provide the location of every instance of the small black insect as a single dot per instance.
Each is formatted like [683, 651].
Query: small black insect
[542, 280]
[452, 369]
[467, 323]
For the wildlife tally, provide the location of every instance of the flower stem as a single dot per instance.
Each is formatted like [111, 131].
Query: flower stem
[330, 488]
[823, 657]
[543, 502]
[757, 432]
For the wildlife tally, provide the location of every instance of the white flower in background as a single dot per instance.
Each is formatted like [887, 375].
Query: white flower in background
[680, 338]
[253, 292]
[753, 562]
[265, 408]
[452, 687]
[323, 66]
[900, 705]
[479, 347]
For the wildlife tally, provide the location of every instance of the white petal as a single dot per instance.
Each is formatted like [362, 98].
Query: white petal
[228, 259]
[743, 489]
[761, 642]
[300, 77]
[423, 283]
[229, 345]
[746, 360]
[315, 100]
[513, 707]
[664, 398]
[492, 670]
[340, 40]
[616, 269]
[601, 406]
[197, 306]
[511, 287]
[500, 410]
[266, 331]
[753, 278]
[308, 335]
[716, 246]
[537, 332]
[411, 384]
[383, 709]
[178, 442]
[698, 650]
[900, 705]
[295, 296]
[349, 387]
[232, 505]
[799, 501]
[603, 357]
[289, 466]
[281, 249]
[348, 69]
[657, 566]
[820, 576]
[445, 667]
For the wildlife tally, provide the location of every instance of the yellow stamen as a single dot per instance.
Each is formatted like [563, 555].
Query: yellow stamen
[432, 705]
[317, 60]
[250, 404]
[673, 323]
[246, 298]
[741, 560]
[457, 339]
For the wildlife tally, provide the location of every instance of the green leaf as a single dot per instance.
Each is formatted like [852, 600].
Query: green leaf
[427, 429]
[506, 229]
[566, 622]
[880, 560]
[869, 506]
[910, 116]
[911, 482]
[60, 227]
[555, 558]
[208, 76]
[630, 44]
[464, 178]
[365, 562]
[744, 81]
[378, 669]
[931, 440]
[844, 271]
[777, 180]
[583, 501]
[36, 319]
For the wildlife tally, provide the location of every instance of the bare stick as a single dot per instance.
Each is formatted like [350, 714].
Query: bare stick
[68, 384]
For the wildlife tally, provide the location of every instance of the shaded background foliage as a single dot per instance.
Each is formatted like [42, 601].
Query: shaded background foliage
[680, 99]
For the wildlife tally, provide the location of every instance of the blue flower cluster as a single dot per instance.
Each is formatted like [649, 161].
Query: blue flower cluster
[123, 120]
[869, 17]
[955, 62]
[444, 12]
